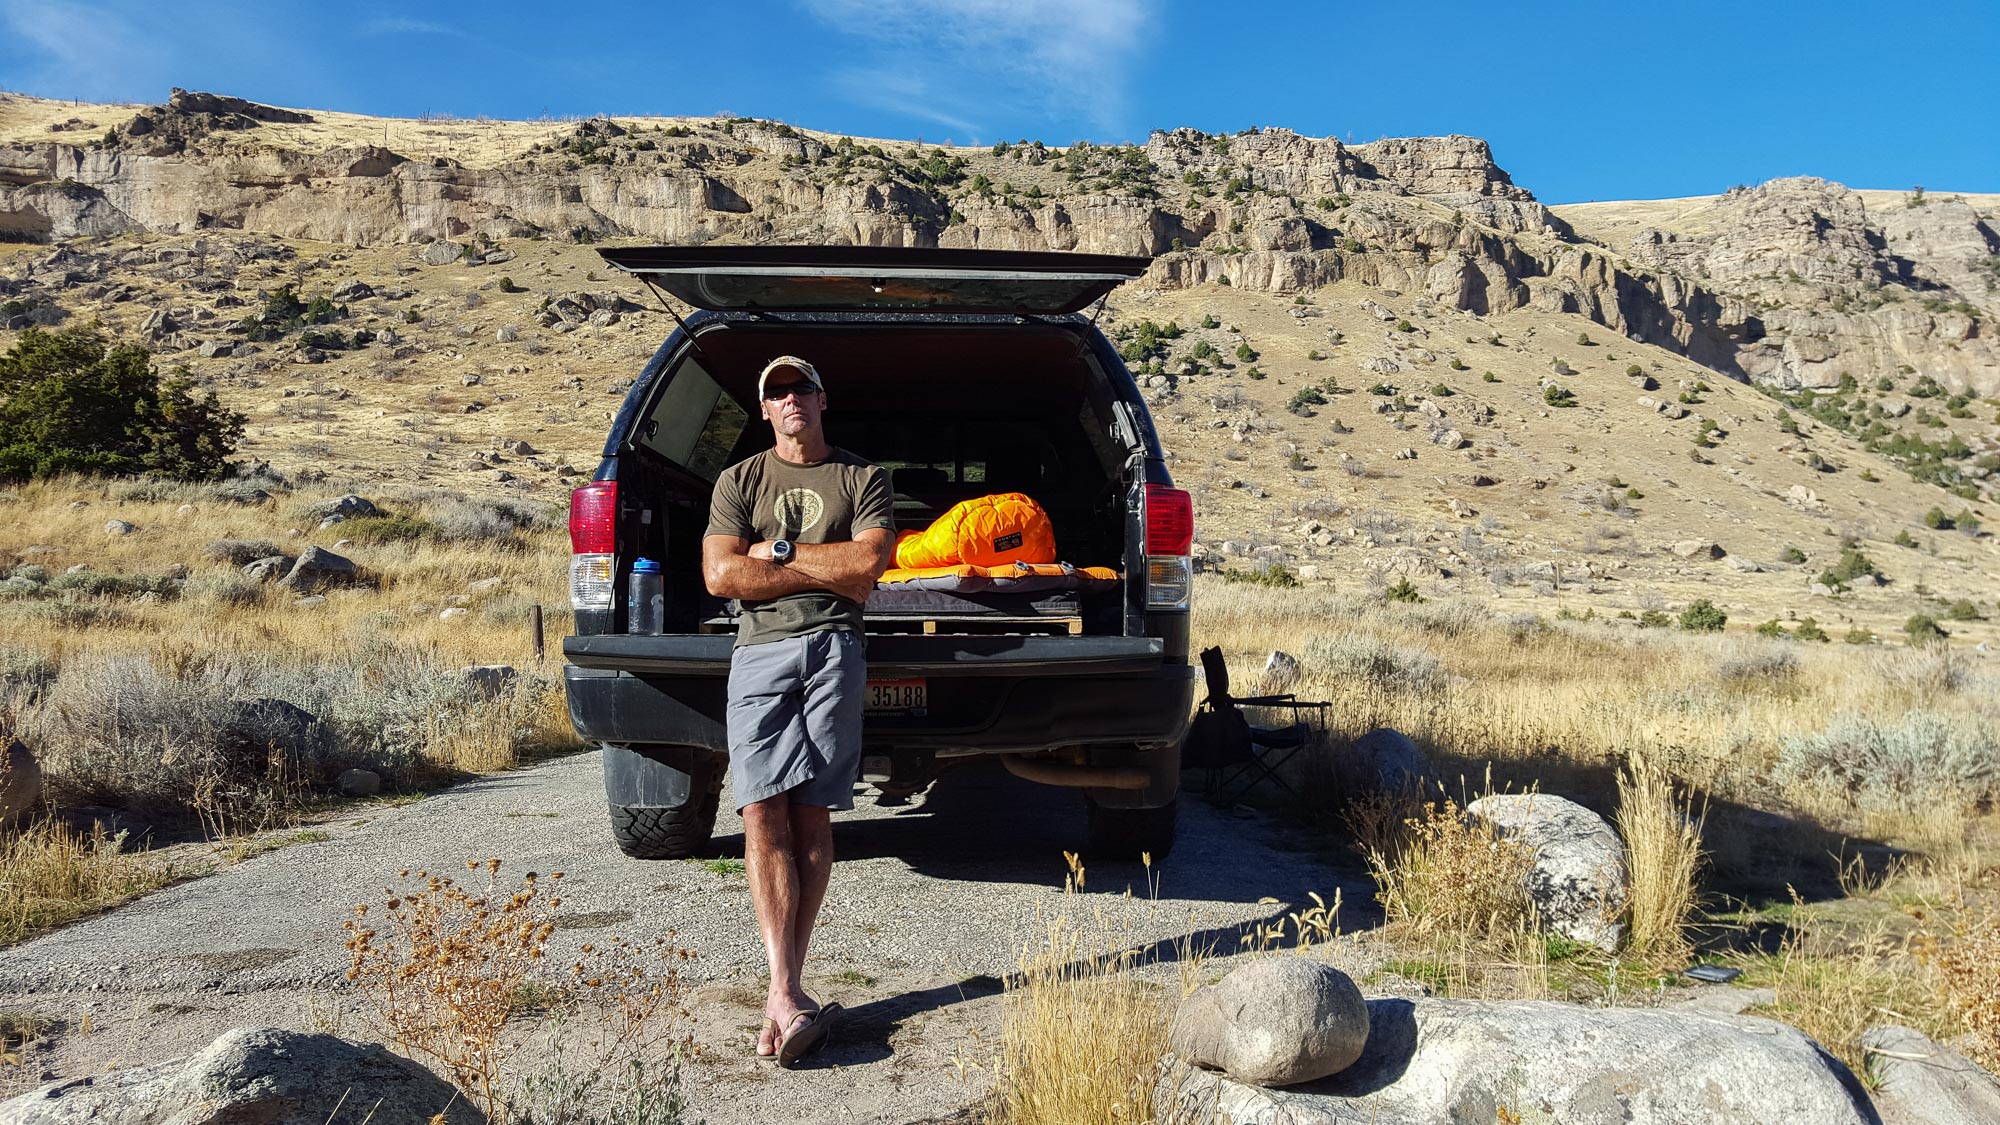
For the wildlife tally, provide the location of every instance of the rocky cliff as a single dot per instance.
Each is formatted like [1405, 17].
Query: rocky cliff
[1795, 282]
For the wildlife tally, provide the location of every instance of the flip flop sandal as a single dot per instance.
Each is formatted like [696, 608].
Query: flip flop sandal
[808, 1037]
[778, 1033]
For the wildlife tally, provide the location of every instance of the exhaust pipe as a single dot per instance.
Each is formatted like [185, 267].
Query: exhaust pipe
[1073, 776]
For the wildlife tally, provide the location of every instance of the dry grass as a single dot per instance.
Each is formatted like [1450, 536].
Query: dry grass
[1968, 968]
[1081, 1036]
[1455, 896]
[1566, 704]
[1655, 725]
[138, 689]
[444, 969]
[1663, 860]
[1440, 872]
[1834, 980]
[51, 875]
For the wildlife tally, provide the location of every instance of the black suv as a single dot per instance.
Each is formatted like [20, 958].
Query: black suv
[964, 373]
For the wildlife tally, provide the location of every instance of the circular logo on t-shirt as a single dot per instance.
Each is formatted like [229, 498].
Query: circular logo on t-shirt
[798, 509]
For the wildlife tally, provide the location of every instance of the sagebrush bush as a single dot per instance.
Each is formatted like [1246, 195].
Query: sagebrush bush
[237, 739]
[1370, 660]
[1760, 663]
[237, 552]
[1446, 619]
[1919, 759]
[1926, 672]
[464, 521]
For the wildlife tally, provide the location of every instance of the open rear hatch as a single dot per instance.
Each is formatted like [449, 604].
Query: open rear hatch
[877, 278]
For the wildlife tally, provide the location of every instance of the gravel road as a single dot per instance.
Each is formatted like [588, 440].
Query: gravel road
[929, 904]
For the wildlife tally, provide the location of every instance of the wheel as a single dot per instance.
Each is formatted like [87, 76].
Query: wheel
[643, 832]
[1126, 833]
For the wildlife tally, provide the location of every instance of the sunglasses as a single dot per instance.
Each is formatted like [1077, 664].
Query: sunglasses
[776, 392]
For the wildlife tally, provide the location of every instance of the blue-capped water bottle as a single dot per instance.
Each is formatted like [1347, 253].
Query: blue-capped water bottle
[646, 599]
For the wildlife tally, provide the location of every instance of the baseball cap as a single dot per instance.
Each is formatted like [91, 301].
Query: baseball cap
[793, 362]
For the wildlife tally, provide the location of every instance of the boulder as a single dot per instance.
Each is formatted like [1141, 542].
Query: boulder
[265, 1075]
[318, 569]
[358, 783]
[267, 569]
[1281, 668]
[1578, 880]
[1275, 1021]
[1917, 1082]
[489, 681]
[442, 253]
[254, 731]
[1440, 1060]
[119, 527]
[351, 506]
[1696, 549]
[1393, 760]
[20, 779]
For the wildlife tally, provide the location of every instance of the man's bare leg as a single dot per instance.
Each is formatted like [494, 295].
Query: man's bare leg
[774, 891]
[812, 856]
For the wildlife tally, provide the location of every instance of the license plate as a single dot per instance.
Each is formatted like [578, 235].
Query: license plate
[897, 697]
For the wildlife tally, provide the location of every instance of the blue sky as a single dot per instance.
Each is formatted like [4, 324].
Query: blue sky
[1580, 99]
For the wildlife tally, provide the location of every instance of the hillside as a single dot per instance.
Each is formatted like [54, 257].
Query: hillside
[484, 344]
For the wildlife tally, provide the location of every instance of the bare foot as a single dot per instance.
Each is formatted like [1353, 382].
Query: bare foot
[781, 1016]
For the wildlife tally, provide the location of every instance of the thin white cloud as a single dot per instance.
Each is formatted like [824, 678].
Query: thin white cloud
[400, 26]
[76, 50]
[955, 60]
[906, 94]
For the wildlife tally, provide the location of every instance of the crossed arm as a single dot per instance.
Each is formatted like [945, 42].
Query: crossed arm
[734, 567]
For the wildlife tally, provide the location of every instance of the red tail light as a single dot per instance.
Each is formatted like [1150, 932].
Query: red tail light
[1169, 521]
[593, 518]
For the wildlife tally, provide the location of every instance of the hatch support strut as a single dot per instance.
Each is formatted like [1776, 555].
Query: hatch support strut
[661, 297]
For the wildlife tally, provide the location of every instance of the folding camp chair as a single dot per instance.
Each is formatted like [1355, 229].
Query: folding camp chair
[1222, 738]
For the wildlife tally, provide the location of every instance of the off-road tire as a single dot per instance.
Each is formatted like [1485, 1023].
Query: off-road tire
[651, 833]
[1123, 834]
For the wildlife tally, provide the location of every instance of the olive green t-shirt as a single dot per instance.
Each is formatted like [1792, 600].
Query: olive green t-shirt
[831, 501]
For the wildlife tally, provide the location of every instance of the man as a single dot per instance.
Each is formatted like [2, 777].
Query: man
[798, 534]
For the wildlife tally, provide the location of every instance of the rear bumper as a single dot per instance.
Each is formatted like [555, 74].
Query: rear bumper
[889, 656]
[976, 710]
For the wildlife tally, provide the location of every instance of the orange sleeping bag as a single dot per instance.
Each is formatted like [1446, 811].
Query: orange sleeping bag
[1006, 527]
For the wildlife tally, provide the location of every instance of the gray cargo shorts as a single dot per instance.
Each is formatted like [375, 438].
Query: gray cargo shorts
[794, 719]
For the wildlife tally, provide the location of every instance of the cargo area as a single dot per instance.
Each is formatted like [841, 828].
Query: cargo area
[954, 410]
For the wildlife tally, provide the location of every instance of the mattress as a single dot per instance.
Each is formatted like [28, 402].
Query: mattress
[1013, 578]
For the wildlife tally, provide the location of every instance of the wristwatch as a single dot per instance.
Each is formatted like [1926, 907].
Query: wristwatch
[781, 551]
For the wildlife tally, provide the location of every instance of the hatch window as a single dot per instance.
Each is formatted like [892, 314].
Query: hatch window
[694, 424]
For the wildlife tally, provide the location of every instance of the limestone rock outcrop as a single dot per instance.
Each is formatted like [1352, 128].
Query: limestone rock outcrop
[1434, 1060]
[1791, 283]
